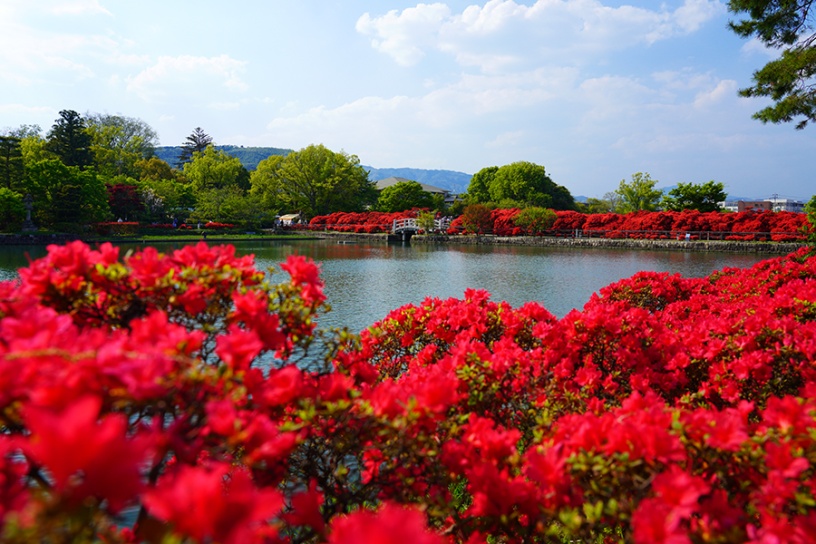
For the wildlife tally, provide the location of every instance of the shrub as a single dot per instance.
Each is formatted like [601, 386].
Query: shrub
[185, 386]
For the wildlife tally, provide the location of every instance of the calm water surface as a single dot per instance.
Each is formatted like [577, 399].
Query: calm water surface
[364, 282]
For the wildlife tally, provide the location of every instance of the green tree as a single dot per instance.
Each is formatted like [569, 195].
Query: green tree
[11, 162]
[314, 181]
[704, 197]
[599, 205]
[265, 184]
[26, 131]
[70, 140]
[479, 187]
[638, 194]
[477, 218]
[165, 199]
[196, 142]
[810, 210]
[12, 210]
[223, 204]
[785, 25]
[404, 195]
[119, 142]
[65, 197]
[426, 221]
[215, 169]
[535, 220]
[34, 149]
[520, 184]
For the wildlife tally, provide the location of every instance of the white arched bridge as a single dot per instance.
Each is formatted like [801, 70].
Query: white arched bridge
[410, 226]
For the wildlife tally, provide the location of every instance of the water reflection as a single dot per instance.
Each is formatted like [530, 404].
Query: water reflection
[364, 282]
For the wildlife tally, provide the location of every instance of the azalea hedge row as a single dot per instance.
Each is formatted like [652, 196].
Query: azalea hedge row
[766, 225]
[360, 222]
[185, 390]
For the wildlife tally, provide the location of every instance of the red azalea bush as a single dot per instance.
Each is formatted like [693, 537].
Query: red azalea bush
[360, 222]
[218, 226]
[185, 389]
[776, 226]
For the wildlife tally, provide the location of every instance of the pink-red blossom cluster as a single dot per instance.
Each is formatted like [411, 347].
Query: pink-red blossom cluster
[360, 222]
[774, 226]
[183, 390]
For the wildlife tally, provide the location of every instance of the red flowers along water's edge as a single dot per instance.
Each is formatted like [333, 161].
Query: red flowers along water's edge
[180, 397]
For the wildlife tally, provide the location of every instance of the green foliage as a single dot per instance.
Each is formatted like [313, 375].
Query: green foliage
[213, 169]
[426, 221]
[70, 140]
[598, 205]
[65, 197]
[479, 188]
[11, 162]
[788, 80]
[166, 199]
[228, 205]
[519, 184]
[810, 210]
[477, 218]
[314, 181]
[196, 142]
[119, 142]
[638, 194]
[404, 195]
[12, 210]
[704, 197]
[535, 220]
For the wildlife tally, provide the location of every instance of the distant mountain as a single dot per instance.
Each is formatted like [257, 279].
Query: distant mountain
[249, 156]
[455, 182]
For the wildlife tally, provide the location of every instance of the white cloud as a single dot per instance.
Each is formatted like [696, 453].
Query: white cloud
[502, 32]
[724, 90]
[404, 35]
[79, 7]
[756, 47]
[188, 76]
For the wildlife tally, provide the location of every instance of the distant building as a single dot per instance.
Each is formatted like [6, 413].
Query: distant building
[786, 205]
[769, 204]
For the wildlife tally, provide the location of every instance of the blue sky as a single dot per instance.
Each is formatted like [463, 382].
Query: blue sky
[594, 90]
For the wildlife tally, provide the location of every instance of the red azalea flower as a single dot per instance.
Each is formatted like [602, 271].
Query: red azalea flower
[86, 457]
[214, 504]
[391, 524]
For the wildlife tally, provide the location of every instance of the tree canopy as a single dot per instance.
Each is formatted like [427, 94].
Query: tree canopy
[314, 181]
[704, 197]
[638, 194]
[70, 140]
[118, 142]
[11, 162]
[197, 141]
[519, 184]
[789, 81]
[404, 195]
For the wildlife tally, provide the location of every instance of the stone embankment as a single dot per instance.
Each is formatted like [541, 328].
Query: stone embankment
[36, 239]
[732, 246]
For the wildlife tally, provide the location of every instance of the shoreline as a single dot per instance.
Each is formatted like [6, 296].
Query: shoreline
[726, 246]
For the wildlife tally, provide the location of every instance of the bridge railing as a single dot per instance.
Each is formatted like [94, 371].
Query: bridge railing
[401, 225]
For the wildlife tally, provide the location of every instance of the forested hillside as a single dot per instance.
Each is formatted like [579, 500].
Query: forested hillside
[456, 182]
[249, 156]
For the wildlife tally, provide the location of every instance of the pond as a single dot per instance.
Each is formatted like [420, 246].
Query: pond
[365, 281]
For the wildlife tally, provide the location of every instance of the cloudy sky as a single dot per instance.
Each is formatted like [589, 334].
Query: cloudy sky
[594, 90]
